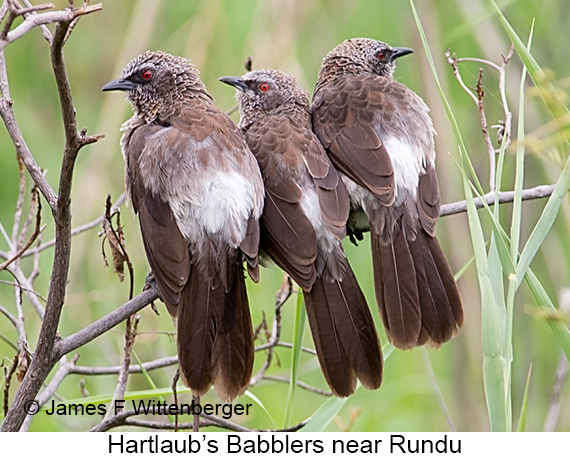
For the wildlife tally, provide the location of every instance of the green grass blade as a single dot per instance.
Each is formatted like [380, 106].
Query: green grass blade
[134, 395]
[150, 380]
[144, 372]
[550, 95]
[519, 164]
[437, 390]
[262, 406]
[298, 332]
[522, 418]
[332, 407]
[496, 364]
[325, 414]
[558, 326]
[545, 222]
[558, 109]
[491, 320]
[496, 390]
[429, 56]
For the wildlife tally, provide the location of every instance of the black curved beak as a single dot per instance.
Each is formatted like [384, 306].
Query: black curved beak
[399, 52]
[119, 84]
[235, 81]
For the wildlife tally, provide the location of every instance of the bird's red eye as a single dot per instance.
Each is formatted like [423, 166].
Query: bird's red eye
[147, 74]
[381, 55]
[264, 87]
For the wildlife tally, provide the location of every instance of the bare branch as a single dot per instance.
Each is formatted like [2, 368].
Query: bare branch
[326, 393]
[15, 11]
[107, 322]
[9, 374]
[64, 369]
[39, 229]
[125, 418]
[130, 334]
[19, 204]
[283, 294]
[45, 31]
[24, 285]
[34, 20]
[147, 366]
[9, 315]
[504, 197]
[505, 133]
[196, 421]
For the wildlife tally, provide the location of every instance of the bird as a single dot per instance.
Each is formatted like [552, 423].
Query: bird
[198, 193]
[380, 136]
[303, 223]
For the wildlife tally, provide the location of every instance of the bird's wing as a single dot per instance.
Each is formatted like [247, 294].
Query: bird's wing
[428, 200]
[333, 197]
[344, 119]
[165, 246]
[287, 234]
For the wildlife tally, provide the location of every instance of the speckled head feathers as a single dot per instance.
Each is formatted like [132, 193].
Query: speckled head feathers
[157, 83]
[265, 91]
[358, 55]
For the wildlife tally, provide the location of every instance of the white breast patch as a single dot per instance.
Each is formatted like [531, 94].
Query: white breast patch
[407, 163]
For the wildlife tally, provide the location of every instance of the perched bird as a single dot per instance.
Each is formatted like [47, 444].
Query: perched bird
[379, 135]
[198, 192]
[303, 222]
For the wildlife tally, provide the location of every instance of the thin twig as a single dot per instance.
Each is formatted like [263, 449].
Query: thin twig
[45, 31]
[35, 20]
[9, 315]
[282, 295]
[19, 204]
[130, 334]
[80, 229]
[9, 374]
[125, 418]
[196, 418]
[477, 97]
[316, 390]
[147, 366]
[39, 229]
[504, 197]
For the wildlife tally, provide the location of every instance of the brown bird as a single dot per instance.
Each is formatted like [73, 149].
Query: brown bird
[303, 222]
[198, 192]
[379, 134]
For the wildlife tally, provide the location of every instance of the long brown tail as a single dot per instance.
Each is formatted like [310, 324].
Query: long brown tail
[440, 303]
[215, 336]
[415, 290]
[344, 334]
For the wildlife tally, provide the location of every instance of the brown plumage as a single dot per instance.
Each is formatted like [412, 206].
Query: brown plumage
[379, 134]
[199, 194]
[303, 221]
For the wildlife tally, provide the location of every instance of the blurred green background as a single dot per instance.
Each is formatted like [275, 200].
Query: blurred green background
[293, 36]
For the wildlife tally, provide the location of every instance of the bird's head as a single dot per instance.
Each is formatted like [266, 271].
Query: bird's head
[262, 92]
[157, 83]
[365, 54]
